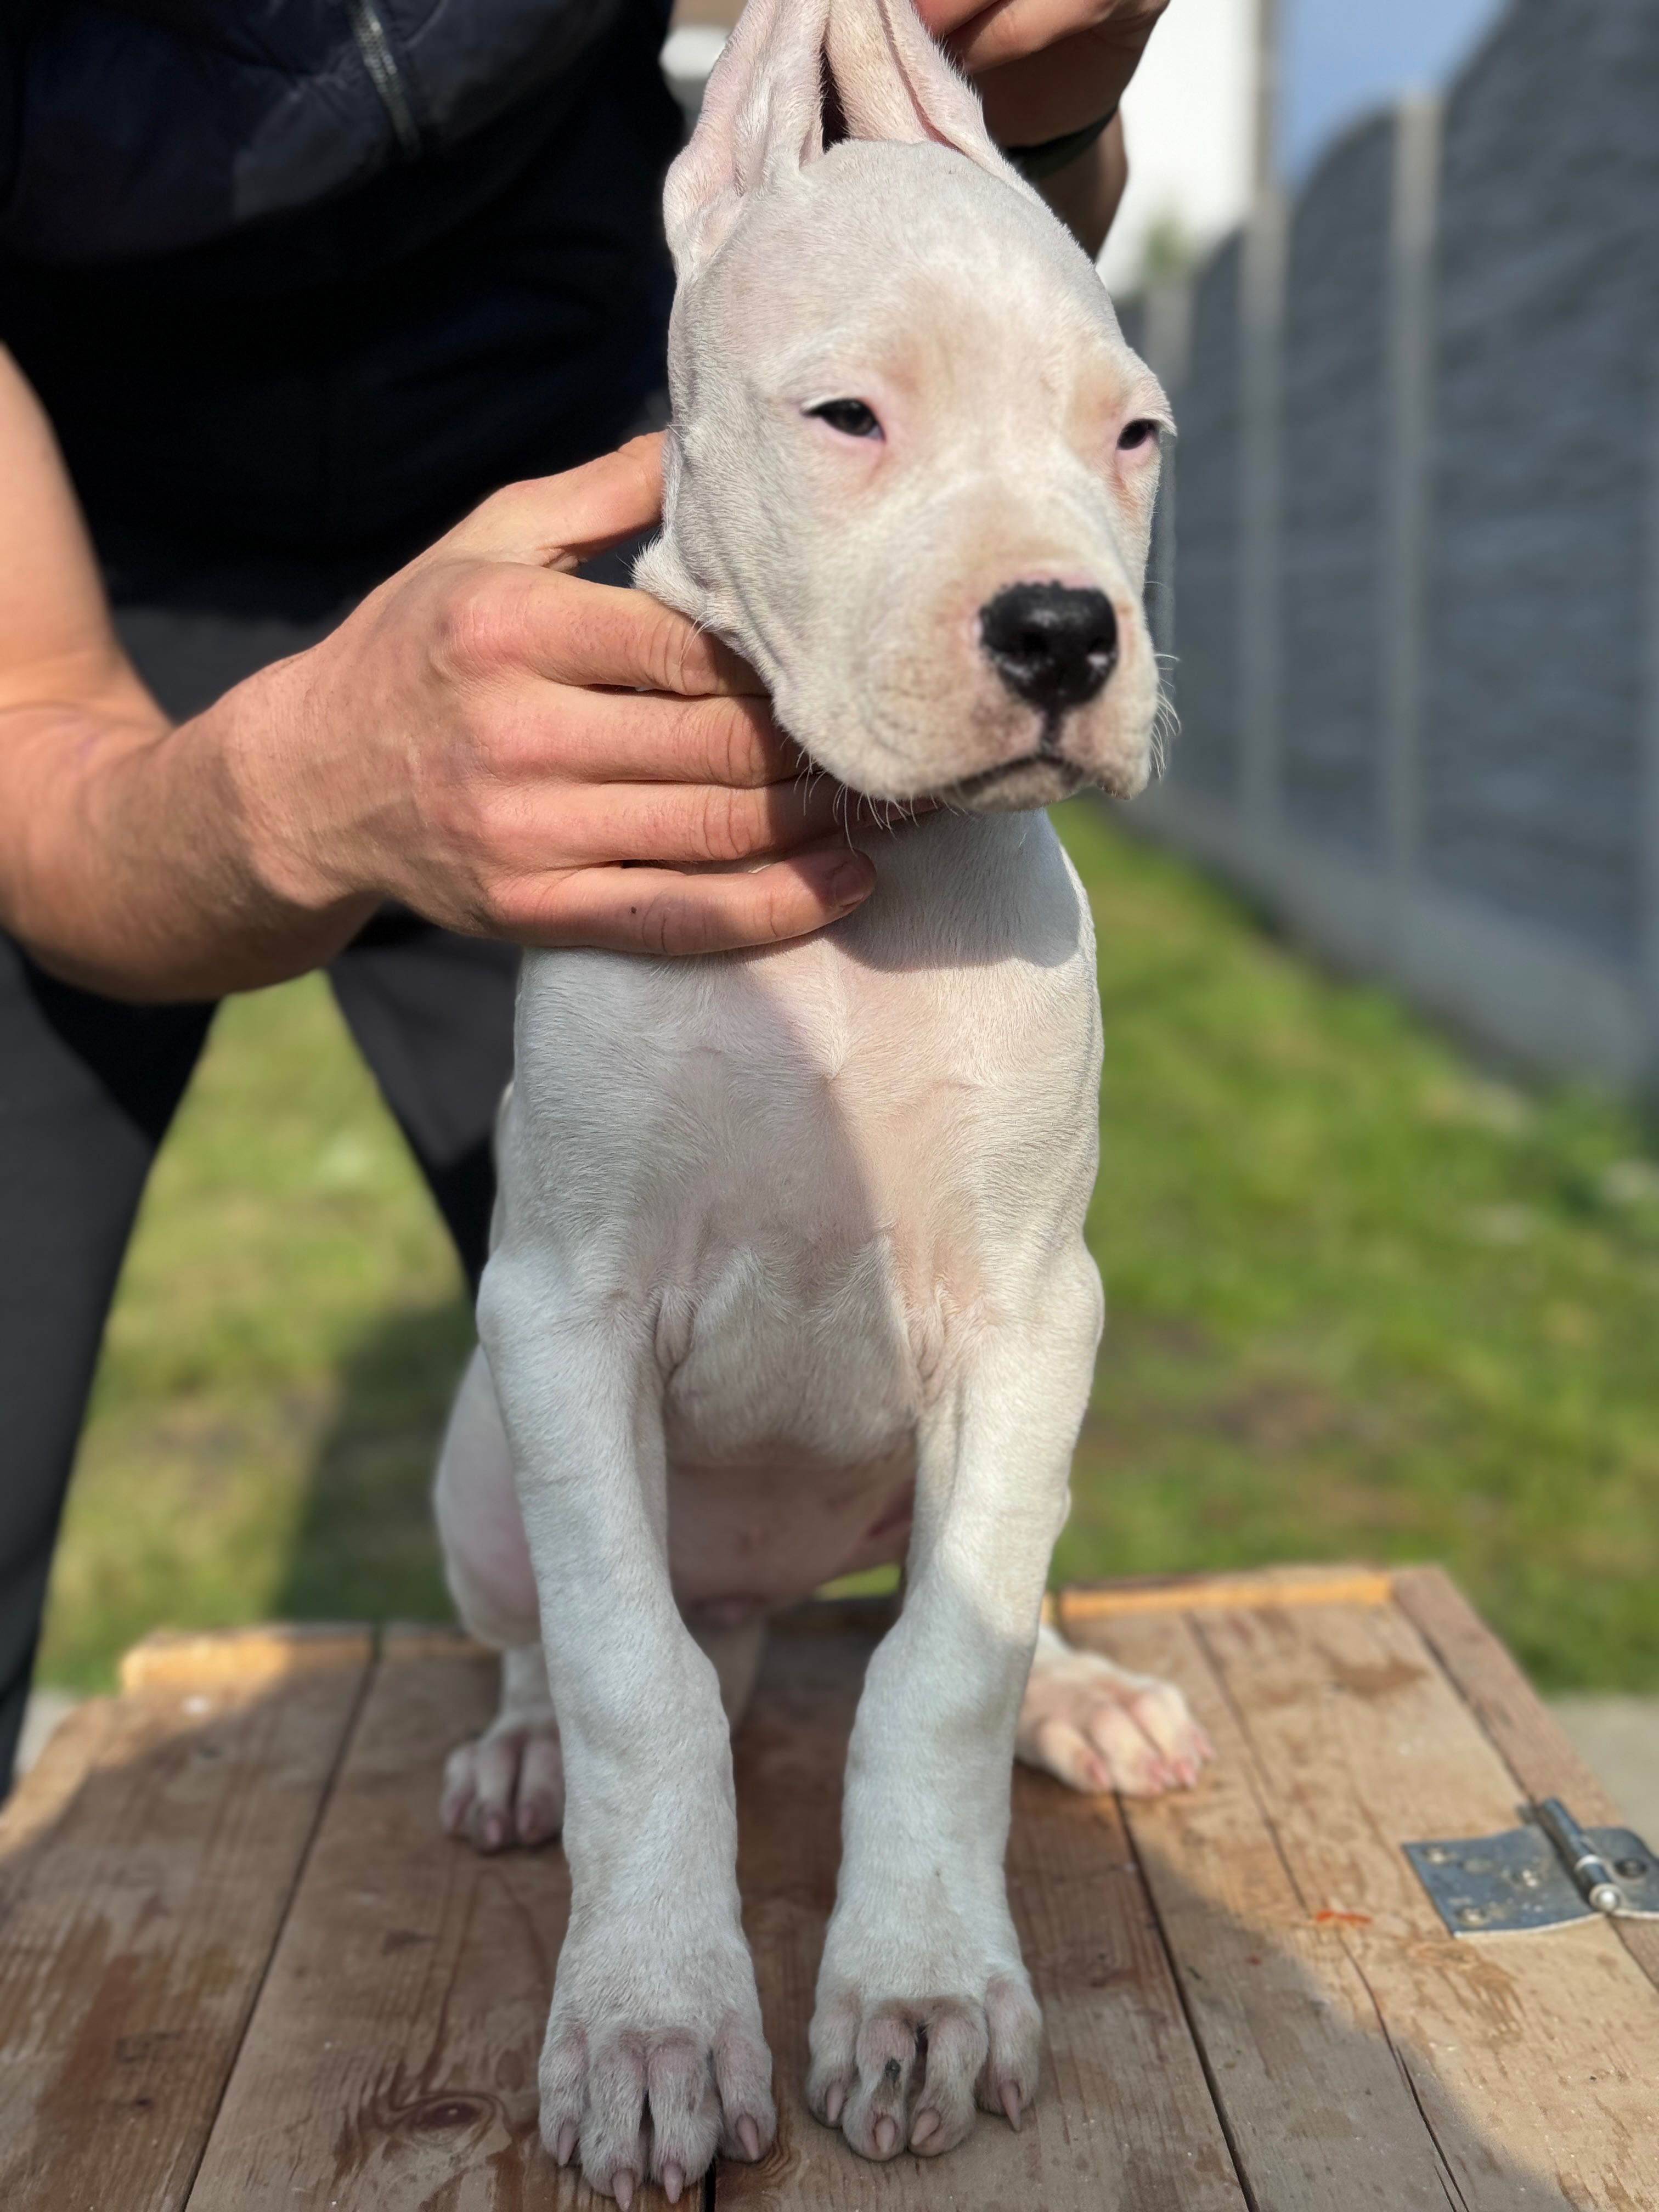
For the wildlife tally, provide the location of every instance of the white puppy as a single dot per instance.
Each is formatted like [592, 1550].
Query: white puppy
[789, 1276]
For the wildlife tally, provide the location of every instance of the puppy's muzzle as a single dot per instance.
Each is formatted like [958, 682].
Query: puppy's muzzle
[1052, 645]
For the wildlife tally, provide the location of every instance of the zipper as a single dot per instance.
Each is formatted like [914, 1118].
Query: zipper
[385, 74]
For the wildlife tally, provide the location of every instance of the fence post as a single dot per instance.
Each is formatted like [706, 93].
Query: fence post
[1262, 301]
[1648, 824]
[1409, 388]
[1168, 345]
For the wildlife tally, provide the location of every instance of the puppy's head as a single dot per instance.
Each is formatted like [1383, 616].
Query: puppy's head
[911, 464]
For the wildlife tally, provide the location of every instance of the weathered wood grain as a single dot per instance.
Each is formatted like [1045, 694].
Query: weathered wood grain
[391, 2058]
[144, 1870]
[1317, 2108]
[1532, 2058]
[1506, 1706]
[1124, 2119]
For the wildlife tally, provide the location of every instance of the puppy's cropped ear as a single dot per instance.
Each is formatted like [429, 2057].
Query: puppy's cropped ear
[762, 112]
[762, 115]
[893, 81]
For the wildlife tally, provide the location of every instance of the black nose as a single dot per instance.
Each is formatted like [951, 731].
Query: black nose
[1053, 646]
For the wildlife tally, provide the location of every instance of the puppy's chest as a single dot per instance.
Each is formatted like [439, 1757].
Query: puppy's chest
[843, 1232]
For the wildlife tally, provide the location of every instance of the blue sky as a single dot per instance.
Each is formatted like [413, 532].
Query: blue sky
[1341, 58]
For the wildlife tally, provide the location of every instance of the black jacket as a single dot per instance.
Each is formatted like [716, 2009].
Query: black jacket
[304, 278]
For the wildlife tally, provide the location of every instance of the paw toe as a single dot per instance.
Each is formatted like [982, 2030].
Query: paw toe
[654, 2104]
[506, 1787]
[1096, 1726]
[906, 2075]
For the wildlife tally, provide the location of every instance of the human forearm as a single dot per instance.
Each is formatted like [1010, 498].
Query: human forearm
[131, 863]
[1086, 193]
[1046, 69]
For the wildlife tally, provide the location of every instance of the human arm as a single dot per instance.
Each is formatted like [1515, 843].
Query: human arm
[1046, 68]
[503, 747]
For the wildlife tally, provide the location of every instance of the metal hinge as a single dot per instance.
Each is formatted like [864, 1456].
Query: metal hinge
[1545, 1874]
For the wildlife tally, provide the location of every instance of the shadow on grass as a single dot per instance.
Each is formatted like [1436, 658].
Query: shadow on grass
[365, 1548]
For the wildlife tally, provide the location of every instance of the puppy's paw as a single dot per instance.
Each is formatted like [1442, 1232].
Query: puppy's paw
[506, 1786]
[650, 2083]
[905, 2073]
[1099, 1726]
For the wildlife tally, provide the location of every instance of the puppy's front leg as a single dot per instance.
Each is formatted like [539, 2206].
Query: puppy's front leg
[654, 2002]
[923, 2001]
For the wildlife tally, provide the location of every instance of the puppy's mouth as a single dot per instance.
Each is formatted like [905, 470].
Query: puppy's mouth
[1048, 772]
[1045, 754]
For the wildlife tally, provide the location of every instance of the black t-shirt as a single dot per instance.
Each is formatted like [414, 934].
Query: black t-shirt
[299, 282]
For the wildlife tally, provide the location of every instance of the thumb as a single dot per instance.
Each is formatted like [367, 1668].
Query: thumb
[559, 522]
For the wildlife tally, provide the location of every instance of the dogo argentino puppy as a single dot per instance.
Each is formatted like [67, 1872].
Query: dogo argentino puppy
[789, 1275]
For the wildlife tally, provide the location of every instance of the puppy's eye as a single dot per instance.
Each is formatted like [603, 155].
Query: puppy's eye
[850, 416]
[1140, 432]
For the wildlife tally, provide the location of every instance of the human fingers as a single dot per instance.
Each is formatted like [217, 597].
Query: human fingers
[660, 912]
[640, 737]
[686, 826]
[499, 617]
[561, 520]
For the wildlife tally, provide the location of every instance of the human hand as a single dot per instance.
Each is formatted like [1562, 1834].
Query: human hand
[514, 751]
[1044, 67]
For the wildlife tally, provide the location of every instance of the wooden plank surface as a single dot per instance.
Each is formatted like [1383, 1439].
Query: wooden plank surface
[1511, 1712]
[1123, 2119]
[1259, 1586]
[1319, 2110]
[144, 1868]
[1531, 2057]
[391, 2058]
[1318, 2025]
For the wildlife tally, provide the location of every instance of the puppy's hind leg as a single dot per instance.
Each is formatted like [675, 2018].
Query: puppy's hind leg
[506, 1786]
[733, 1649]
[1098, 1726]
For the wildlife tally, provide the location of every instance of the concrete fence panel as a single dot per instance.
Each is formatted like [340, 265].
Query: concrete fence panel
[1415, 530]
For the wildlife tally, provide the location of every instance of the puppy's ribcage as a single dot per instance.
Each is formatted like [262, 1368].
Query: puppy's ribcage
[809, 1181]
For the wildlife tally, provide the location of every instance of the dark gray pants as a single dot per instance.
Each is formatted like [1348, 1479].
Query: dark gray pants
[88, 1088]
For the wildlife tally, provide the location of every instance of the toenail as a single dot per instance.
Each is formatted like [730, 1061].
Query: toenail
[886, 2136]
[749, 2136]
[1011, 2104]
[834, 2103]
[623, 2186]
[672, 2182]
[926, 2123]
[567, 2143]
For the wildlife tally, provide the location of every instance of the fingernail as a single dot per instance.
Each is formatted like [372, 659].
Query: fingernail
[1011, 2104]
[749, 2136]
[850, 881]
[886, 2136]
[926, 2123]
[835, 2104]
[621, 2186]
[567, 2143]
[672, 2182]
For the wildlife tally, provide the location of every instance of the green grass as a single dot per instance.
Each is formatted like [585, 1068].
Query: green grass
[1365, 1301]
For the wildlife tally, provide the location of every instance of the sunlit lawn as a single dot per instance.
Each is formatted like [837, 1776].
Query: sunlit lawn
[1365, 1301]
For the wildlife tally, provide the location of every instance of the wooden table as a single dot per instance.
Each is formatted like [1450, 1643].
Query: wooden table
[241, 1969]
